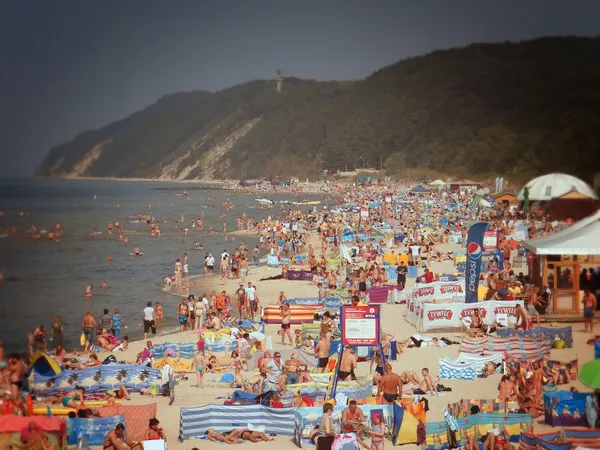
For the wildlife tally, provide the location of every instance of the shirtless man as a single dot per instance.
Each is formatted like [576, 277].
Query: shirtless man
[427, 384]
[353, 421]
[322, 352]
[118, 440]
[88, 290]
[89, 329]
[390, 385]
[589, 305]
[531, 300]
[214, 322]
[347, 364]
[522, 317]
[183, 314]
[362, 282]
[15, 370]
[506, 389]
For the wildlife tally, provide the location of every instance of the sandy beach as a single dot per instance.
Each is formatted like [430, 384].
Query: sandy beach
[392, 322]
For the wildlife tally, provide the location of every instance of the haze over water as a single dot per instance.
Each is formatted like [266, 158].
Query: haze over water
[52, 277]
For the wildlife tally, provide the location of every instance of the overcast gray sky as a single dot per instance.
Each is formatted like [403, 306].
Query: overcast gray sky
[72, 65]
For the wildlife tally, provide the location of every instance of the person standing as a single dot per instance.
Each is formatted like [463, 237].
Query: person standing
[149, 317]
[286, 317]
[56, 332]
[401, 270]
[326, 435]
[199, 366]
[89, 330]
[589, 305]
[251, 299]
[117, 324]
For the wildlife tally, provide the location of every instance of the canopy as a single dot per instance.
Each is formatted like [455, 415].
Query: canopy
[581, 238]
[437, 183]
[45, 365]
[419, 188]
[554, 185]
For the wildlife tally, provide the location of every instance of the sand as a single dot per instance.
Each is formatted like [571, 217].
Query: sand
[392, 322]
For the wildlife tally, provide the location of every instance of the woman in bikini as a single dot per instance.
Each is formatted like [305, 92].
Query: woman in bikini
[215, 436]
[69, 401]
[154, 431]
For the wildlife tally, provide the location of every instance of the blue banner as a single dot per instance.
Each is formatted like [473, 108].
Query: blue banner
[474, 255]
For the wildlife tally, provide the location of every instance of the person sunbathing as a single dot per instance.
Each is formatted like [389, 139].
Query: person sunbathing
[107, 341]
[527, 403]
[506, 389]
[215, 436]
[408, 376]
[121, 393]
[248, 435]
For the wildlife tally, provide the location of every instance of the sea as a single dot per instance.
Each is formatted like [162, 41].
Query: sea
[44, 279]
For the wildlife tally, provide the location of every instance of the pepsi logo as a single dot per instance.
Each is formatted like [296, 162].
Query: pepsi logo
[474, 250]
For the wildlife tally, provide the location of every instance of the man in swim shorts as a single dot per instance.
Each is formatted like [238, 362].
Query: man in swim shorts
[183, 314]
[347, 364]
[390, 385]
[322, 352]
[89, 329]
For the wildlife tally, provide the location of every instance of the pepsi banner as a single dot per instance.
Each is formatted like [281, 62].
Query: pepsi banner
[474, 255]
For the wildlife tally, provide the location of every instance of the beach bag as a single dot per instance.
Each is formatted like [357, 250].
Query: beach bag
[82, 339]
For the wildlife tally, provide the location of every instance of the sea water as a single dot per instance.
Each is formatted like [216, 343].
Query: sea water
[49, 278]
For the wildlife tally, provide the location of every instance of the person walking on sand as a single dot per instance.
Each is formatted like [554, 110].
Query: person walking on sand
[198, 364]
[286, 317]
[224, 268]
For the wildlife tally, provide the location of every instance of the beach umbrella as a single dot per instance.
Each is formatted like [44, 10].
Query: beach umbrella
[589, 374]
[526, 199]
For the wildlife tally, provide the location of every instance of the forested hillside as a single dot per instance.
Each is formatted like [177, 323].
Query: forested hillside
[527, 108]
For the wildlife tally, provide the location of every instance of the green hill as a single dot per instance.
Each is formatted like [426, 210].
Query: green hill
[529, 107]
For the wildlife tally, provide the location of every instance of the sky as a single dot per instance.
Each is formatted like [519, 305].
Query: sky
[67, 66]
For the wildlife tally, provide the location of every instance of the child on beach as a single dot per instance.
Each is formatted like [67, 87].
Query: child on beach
[198, 364]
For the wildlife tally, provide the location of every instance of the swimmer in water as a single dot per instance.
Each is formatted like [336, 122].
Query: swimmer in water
[137, 251]
[104, 284]
[88, 290]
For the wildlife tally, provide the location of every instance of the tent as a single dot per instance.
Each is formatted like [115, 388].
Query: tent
[565, 409]
[44, 365]
[406, 420]
[581, 238]
[419, 189]
[437, 183]
[555, 185]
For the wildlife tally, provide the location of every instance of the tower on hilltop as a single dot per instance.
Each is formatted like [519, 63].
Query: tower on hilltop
[279, 80]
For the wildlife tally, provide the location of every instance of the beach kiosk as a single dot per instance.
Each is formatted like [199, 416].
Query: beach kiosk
[558, 260]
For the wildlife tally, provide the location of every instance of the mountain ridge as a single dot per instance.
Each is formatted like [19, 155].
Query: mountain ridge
[529, 107]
